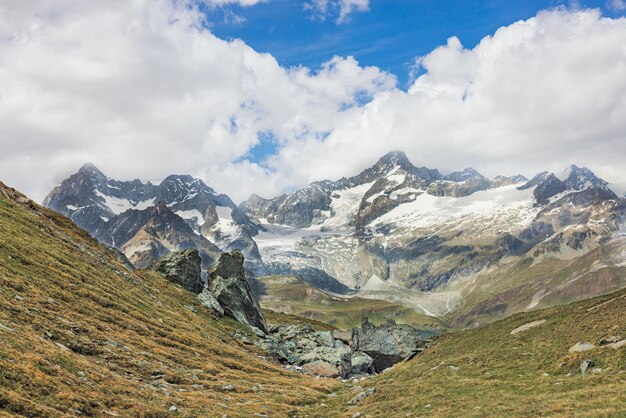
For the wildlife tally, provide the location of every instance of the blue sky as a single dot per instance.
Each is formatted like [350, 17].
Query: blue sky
[390, 35]
[534, 97]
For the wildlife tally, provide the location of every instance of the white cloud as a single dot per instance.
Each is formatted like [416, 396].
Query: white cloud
[538, 94]
[242, 3]
[617, 5]
[144, 90]
[339, 9]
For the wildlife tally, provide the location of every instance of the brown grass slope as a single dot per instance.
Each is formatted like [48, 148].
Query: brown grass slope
[82, 335]
[489, 372]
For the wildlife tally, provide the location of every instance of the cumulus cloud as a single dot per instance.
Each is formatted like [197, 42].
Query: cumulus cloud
[338, 9]
[242, 3]
[538, 94]
[617, 5]
[144, 89]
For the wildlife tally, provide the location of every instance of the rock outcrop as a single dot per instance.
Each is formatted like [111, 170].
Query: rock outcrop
[340, 353]
[182, 268]
[386, 344]
[228, 285]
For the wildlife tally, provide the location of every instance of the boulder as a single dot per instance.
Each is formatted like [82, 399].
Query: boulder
[345, 336]
[207, 299]
[339, 356]
[586, 365]
[386, 344]
[182, 268]
[581, 346]
[362, 363]
[610, 340]
[361, 395]
[321, 368]
[227, 282]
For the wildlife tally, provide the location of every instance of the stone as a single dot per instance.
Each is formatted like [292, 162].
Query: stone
[362, 395]
[207, 299]
[387, 344]
[340, 357]
[609, 340]
[183, 268]
[227, 282]
[321, 368]
[586, 365]
[581, 346]
[362, 363]
[528, 326]
[325, 339]
[344, 336]
[258, 332]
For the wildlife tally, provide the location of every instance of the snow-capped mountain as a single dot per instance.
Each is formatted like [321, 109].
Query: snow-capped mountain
[399, 231]
[411, 234]
[145, 220]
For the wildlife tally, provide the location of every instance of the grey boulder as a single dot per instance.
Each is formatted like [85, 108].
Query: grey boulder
[228, 285]
[182, 268]
[386, 344]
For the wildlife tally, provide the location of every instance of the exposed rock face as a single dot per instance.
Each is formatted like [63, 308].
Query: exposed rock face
[386, 344]
[207, 299]
[149, 234]
[182, 268]
[117, 213]
[227, 282]
[342, 353]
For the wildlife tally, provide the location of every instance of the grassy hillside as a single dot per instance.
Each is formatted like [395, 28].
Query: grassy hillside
[81, 334]
[540, 283]
[290, 294]
[489, 372]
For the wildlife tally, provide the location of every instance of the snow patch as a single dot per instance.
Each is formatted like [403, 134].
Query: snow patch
[118, 205]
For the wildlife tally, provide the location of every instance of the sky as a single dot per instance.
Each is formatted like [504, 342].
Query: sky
[268, 96]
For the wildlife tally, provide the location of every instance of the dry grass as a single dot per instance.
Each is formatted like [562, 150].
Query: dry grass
[80, 334]
[488, 372]
[89, 336]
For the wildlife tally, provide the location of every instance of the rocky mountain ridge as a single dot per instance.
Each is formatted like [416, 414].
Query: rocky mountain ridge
[147, 221]
[396, 231]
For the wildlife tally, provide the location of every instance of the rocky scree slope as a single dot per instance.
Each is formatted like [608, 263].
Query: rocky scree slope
[82, 334]
[146, 221]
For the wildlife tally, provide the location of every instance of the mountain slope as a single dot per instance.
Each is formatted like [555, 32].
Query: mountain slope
[491, 372]
[116, 211]
[80, 334]
[414, 236]
[292, 295]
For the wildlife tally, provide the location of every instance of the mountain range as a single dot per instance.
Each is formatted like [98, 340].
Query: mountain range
[459, 246]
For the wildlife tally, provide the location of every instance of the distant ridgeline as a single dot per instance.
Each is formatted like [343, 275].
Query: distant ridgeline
[436, 243]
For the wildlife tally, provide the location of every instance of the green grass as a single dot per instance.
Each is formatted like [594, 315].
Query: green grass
[500, 374]
[290, 294]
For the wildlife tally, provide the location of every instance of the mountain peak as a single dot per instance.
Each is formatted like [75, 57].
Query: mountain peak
[466, 174]
[394, 157]
[579, 178]
[90, 169]
[392, 160]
